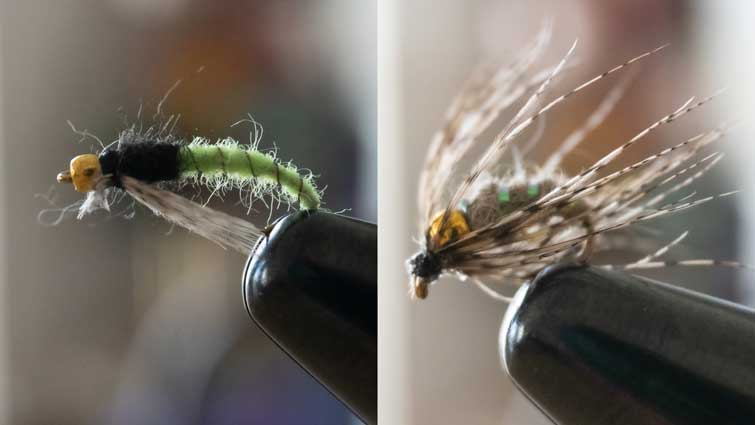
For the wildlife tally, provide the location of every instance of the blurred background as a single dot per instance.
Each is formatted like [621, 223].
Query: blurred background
[117, 321]
[447, 370]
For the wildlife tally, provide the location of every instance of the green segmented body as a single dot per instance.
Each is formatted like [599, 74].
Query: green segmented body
[235, 162]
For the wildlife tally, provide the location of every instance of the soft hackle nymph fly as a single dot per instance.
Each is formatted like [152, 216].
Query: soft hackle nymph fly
[511, 224]
[148, 163]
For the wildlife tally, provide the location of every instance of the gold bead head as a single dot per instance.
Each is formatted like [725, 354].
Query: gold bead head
[454, 227]
[84, 173]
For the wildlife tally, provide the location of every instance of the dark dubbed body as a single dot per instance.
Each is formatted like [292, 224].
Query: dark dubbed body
[146, 161]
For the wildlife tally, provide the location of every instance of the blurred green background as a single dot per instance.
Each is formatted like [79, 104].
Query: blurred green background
[116, 321]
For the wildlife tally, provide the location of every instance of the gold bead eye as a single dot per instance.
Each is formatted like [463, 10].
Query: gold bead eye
[65, 177]
[455, 227]
[419, 288]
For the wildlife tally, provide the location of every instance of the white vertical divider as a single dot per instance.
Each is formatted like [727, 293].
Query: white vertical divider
[393, 335]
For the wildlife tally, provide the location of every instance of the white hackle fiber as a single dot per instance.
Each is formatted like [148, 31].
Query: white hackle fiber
[224, 229]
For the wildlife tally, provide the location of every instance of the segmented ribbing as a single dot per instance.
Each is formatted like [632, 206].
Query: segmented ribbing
[228, 161]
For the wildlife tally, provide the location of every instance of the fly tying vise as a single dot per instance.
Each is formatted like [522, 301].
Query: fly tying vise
[510, 225]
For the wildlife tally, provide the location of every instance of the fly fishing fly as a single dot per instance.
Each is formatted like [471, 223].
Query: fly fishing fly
[145, 164]
[510, 225]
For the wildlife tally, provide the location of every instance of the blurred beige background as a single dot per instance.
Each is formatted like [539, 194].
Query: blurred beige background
[442, 365]
[116, 321]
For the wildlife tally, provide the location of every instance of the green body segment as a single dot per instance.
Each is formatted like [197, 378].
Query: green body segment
[514, 197]
[237, 163]
[533, 190]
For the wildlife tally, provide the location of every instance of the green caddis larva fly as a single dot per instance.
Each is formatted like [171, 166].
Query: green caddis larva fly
[144, 163]
[510, 225]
